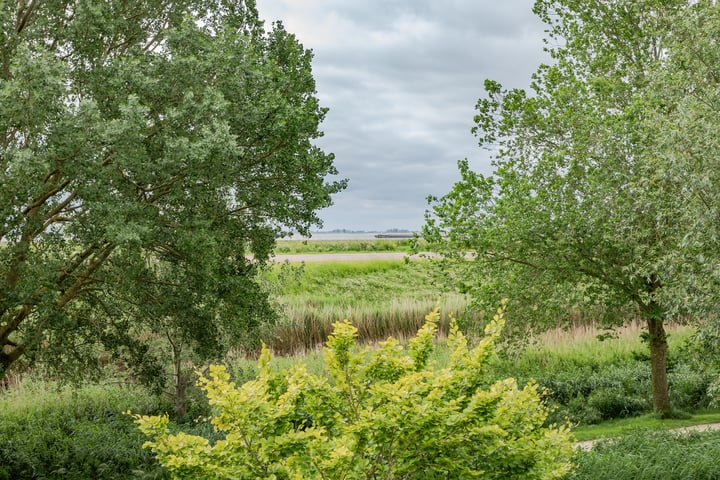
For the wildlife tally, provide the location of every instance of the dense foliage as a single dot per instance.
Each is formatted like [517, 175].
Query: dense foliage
[150, 155]
[585, 396]
[386, 412]
[603, 197]
[58, 434]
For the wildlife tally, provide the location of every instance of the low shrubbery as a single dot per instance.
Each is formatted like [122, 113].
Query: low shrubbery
[386, 412]
[51, 433]
[78, 434]
[589, 381]
[586, 396]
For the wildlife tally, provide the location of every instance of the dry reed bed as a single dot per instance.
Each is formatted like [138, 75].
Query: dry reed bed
[306, 327]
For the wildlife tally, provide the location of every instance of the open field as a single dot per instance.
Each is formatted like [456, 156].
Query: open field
[341, 257]
[616, 428]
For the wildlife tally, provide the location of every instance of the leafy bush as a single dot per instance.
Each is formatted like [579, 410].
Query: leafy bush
[615, 403]
[690, 387]
[713, 393]
[587, 396]
[386, 413]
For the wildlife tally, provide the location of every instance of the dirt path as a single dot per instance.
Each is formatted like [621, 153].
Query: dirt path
[588, 444]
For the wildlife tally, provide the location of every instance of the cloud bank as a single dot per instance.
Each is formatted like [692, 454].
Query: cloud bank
[401, 79]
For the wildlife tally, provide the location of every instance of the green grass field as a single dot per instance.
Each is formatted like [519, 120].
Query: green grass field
[622, 426]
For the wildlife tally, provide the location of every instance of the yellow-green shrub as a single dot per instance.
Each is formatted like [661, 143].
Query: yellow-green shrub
[385, 412]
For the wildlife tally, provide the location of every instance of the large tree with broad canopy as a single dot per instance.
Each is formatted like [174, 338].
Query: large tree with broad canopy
[150, 154]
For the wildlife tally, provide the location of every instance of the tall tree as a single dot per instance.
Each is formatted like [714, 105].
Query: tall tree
[150, 154]
[583, 208]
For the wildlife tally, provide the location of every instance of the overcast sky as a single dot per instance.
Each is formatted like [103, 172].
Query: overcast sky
[401, 79]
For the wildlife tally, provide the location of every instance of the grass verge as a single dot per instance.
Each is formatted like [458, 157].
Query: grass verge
[615, 428]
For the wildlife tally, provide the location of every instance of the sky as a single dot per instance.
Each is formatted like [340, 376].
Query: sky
[401, 79]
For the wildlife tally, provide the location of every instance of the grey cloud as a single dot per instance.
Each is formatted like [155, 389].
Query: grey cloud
[401, 79]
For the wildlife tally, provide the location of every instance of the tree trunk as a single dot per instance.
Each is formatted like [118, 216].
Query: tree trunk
[658, 367]
[180, 381]
[9, 354]
[180, 395]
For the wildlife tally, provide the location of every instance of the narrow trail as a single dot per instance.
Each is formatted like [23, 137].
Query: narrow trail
[587, 445]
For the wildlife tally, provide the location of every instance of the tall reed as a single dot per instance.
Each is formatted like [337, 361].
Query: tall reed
[305, 327]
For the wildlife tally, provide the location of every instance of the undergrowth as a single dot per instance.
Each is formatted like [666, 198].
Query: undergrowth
[589, 381]
[57, 433]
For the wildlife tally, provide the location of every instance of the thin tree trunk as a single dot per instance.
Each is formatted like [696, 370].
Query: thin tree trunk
[179, 381]
[658, 367]
[180, 394]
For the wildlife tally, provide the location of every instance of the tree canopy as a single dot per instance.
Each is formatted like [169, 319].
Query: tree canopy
[150, 155]
[602, 193]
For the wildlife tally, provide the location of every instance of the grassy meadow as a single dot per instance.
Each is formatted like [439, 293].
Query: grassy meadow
[601, 388]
